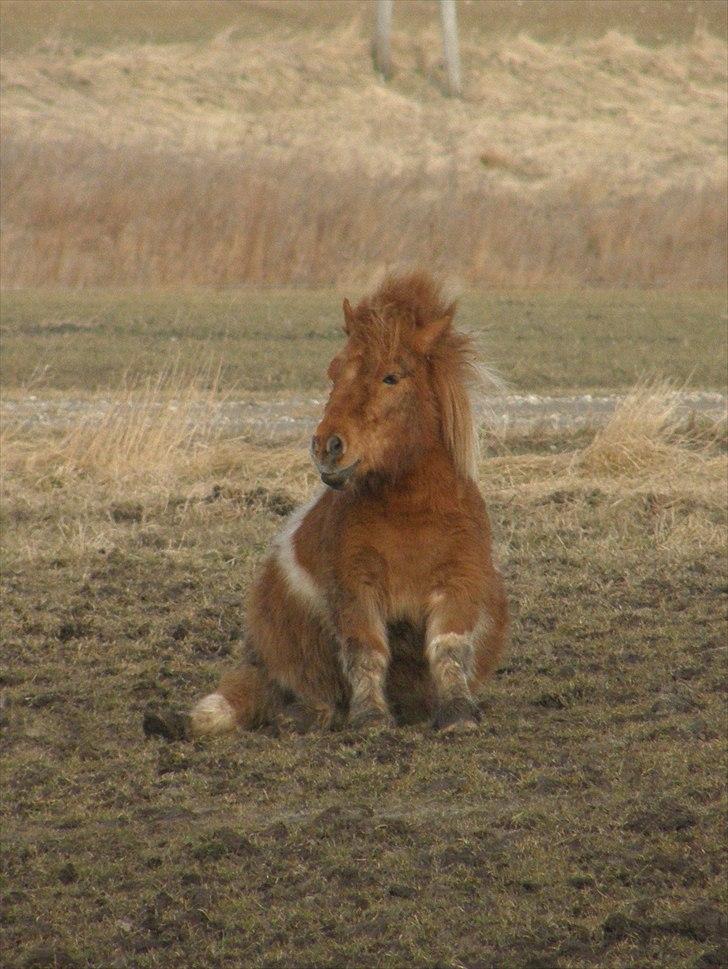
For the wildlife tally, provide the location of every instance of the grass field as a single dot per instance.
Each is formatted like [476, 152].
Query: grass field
[281, 340]
[580, 827]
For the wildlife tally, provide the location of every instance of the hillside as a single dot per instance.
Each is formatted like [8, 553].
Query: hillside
[605, 153]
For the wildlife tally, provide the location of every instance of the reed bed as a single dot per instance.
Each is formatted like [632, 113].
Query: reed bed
[596, 161]
[81, 215]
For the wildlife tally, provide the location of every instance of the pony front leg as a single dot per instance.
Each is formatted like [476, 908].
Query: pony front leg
[364, 660]
[449, 647]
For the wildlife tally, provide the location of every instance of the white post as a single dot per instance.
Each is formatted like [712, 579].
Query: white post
[449, 17]
[382, 31]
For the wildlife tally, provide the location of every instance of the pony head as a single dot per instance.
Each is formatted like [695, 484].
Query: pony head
[400, 387]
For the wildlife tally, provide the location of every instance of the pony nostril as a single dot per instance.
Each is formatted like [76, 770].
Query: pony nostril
[334, 446]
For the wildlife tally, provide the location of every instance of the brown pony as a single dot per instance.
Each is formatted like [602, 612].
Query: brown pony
[380, 597]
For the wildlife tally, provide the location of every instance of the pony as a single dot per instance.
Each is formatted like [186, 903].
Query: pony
[379, 602]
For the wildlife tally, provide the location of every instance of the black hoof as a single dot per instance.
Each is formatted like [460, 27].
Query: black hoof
[458, 715]
[167, 724]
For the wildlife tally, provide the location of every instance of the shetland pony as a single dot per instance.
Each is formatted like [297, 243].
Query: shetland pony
[379, 600]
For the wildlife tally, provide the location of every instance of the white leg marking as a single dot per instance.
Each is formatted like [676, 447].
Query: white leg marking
[451, 660]
[212, 715]
[450, 646]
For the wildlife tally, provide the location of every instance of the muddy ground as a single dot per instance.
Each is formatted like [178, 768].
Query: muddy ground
[580, 826]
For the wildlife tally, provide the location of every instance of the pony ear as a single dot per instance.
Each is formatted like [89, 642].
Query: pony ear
[427, 336]
[349, 318]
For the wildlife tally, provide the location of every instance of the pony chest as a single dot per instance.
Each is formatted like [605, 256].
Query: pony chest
[396, 553]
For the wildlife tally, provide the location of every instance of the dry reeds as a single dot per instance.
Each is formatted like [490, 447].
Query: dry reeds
[159, 441]
[587, 163]
[81, 215]
[167, 430]
[147, 429]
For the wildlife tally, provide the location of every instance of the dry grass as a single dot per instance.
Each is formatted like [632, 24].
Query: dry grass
[646, 447]
[594, 161]
[153, 428]
[167, 21]
[642, 437]
[161, 435]
[150, 218]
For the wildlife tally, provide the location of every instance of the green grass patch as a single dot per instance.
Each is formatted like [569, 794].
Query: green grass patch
[274, 340]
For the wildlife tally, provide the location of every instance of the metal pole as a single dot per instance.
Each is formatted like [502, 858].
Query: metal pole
[449, 17]
[382, 31]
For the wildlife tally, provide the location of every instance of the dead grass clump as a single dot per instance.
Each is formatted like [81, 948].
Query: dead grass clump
[146, 429]
[642, 436]
[250, 463]
[167, 164]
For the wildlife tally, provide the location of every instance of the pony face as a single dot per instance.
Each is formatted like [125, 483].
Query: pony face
[382, 410]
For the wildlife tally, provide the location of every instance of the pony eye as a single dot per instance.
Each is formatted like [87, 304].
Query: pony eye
[391, 378]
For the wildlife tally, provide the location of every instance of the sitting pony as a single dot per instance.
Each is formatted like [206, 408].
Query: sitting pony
[380, 601]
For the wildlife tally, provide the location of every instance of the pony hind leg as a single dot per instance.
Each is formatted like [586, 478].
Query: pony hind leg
[297, 646]
[290, 669]
[247, 698]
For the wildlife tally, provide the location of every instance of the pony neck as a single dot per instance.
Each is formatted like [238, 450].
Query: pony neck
[431, 471]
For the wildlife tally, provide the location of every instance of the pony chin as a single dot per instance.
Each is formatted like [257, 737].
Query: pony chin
[334, 483]
[339, 479]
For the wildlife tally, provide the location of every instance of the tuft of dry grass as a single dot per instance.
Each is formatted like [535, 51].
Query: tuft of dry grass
[153, 427]
[646, 461]
[641, 437]
[80, 215]
[161, 434]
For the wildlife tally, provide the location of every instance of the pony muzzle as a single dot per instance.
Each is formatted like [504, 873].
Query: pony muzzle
[328, 453]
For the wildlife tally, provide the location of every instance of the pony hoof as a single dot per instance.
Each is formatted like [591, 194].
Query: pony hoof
[371, 719]
[457, 716]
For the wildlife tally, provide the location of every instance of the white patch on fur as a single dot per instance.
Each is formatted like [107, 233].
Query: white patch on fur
[212, 715]
[450, 656]
[435, 627]
[298, 579]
